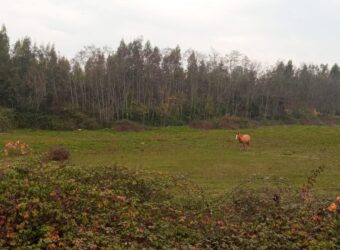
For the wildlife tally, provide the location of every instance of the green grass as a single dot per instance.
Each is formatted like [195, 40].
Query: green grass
[211, 158]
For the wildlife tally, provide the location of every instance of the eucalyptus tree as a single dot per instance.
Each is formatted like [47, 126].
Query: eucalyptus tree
[6, 96]
[140, 82]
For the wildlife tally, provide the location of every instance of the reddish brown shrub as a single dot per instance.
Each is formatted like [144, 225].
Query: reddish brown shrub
[202, 124]
[127, 125]
[57, 153]
[235, 122]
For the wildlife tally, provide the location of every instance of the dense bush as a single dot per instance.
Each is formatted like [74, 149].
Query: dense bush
[268, 214]
[73, 119]
[203, 124]
[35, 120]
[234, 122]
[61, 207]
[127, 125]
[70, 119]
[57, 153]
[66, 120]
[226, 122]
[7, 119]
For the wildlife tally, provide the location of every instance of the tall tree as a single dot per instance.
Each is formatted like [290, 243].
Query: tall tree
[5, 87]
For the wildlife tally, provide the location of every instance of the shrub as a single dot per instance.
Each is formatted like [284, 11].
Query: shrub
[202, 124]
[16, 148]
[110, 207]
[73, 119]
[127, 125]
[66, 120]
[90, 208]
[57, 153]
[7, 119]
[34, 120]
[235, 122]
[226, 122]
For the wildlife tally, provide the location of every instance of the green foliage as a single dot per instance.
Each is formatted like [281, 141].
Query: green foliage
[73, 119]
[35, 120]
[49, 206]
[42, 205]
[66, 120]
[5, 69]
[7, 119]
[272, 216]
[138, 82]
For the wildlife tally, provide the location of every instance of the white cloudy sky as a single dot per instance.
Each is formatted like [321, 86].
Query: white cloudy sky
[265, 30]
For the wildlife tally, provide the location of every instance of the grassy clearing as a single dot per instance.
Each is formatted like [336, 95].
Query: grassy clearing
[211, 158]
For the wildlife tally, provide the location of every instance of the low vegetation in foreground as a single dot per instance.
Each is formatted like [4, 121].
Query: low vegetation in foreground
[69, 190]
[61, 206]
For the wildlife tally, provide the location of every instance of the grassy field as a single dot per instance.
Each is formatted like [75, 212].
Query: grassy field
[211, 158]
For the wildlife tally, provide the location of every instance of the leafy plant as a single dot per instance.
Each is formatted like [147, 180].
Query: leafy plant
[16, 148]
[7, 119]
[57, 153]
[49, 206]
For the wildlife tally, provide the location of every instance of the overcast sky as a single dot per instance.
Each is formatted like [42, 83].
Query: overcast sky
[265, 30]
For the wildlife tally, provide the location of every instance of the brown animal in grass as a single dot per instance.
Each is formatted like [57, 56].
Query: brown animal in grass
[244, 139]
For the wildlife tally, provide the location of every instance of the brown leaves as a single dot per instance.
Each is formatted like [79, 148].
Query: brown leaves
[26, 215]
[10, 233]
[53, 234]
[332, 207]
[53, 194]
[16, 148]
[2, 220]
[182, 218]
[294, 229]
[51, 246]
[316, 218]
[121, 198]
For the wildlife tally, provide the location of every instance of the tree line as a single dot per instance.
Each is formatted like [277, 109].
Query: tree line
[141, 82]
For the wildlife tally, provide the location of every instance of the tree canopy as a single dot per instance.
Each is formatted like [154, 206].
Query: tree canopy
[141, 82]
